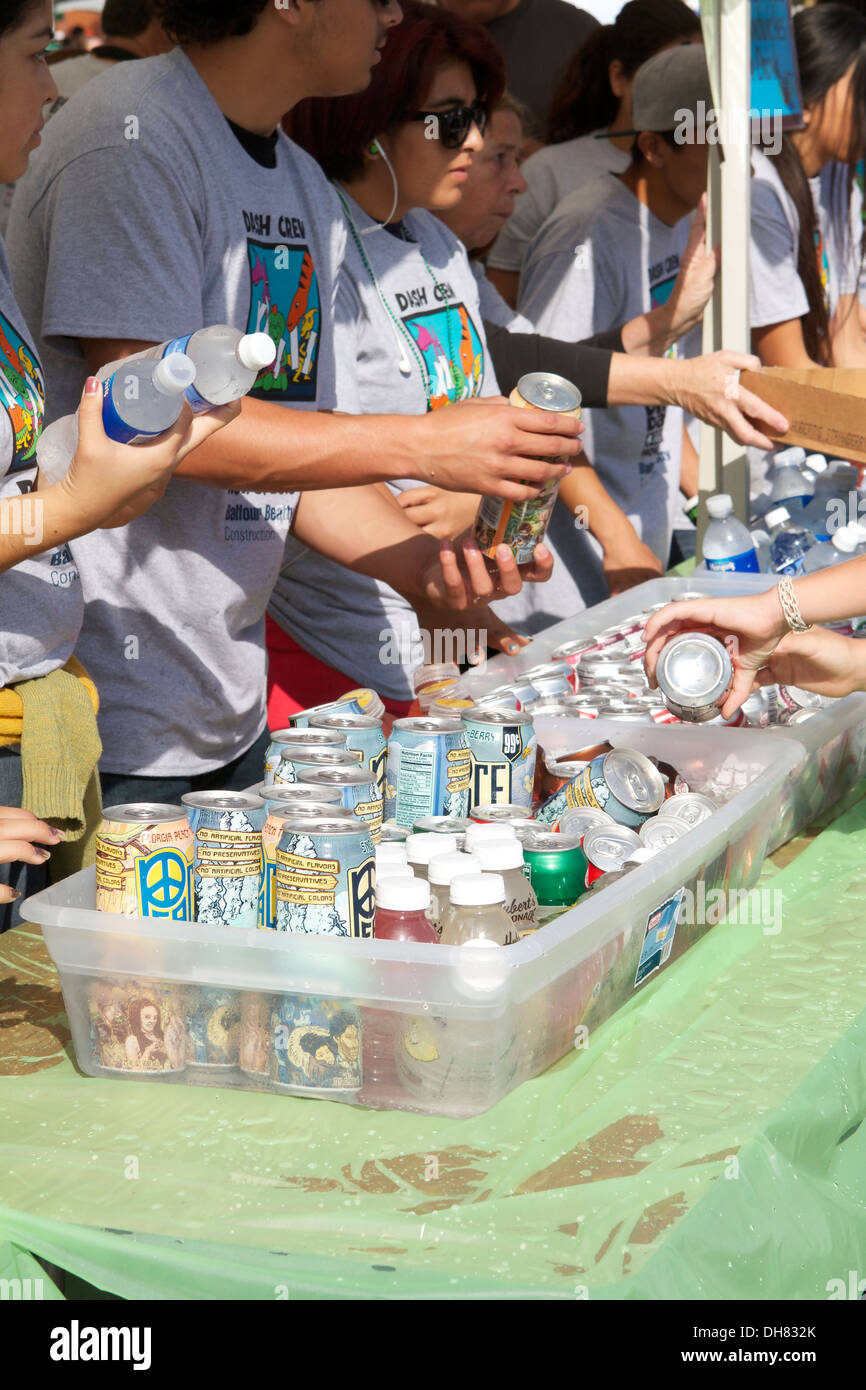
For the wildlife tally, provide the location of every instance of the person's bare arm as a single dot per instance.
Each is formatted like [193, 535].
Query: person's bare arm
[484, 446]
[781, 345]
[689, 464]
[848, 344]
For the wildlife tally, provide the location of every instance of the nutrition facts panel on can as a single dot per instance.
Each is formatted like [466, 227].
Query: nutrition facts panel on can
[416, 783]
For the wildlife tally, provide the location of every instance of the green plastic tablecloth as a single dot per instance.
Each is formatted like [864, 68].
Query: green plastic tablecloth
[706, 1144]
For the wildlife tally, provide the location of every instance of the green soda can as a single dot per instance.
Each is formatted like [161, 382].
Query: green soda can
[362, 732]
[556, 868]
[282, 739]
[503, 748]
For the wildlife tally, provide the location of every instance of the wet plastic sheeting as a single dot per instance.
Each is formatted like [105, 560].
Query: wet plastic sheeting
[707, 1143]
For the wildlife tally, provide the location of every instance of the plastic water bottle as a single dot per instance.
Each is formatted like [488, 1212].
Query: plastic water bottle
[141, 399]
[815, 516]
[728, 545]
[144, 399]
[789, 541]
[227, 363]
[841, 547]
[858, 531]
[761, 542]
[789, 484]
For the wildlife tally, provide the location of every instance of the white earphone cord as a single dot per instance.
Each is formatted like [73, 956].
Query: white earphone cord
[380, 225]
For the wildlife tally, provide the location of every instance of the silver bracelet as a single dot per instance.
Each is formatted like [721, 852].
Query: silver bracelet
[791, 608]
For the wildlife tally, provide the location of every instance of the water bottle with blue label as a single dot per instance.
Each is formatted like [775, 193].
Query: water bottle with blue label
[728, 546]
[143, 399]
[227, 363]
[789, 541]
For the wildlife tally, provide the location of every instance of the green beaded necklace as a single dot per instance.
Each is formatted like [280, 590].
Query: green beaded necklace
[399, 324]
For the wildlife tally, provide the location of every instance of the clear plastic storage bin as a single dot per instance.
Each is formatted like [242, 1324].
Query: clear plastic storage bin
[441, 1030]
[835, 738]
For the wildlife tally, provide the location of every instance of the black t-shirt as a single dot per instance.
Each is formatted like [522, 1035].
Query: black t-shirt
[538, 39]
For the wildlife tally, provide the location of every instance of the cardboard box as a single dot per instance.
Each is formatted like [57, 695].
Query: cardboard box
[826, 407]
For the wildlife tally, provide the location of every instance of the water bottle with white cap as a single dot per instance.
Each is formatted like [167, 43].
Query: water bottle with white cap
[791, 484]
[476, 913]
[479, 831]
[789, 541]
[843, 545]
[727, 544]
[227, 363]
[141, 400]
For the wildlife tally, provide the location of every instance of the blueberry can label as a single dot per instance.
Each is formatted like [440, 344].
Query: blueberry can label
[325, 885]
[315, 1045]
[503, 763]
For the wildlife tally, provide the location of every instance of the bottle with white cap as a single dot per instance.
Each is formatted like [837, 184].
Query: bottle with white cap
[421, 848]
[402, 907]
[392, 868]
[390, 852]
[480, 831]
[476, 913]
[792, 483]
[789, 541]
[842, 545]
[440, 871]
[505, 857]
[727, 544]
[227, 363]
[141, 400]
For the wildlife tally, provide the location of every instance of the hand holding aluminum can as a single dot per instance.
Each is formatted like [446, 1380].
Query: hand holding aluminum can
[523, 525]
[694, 674]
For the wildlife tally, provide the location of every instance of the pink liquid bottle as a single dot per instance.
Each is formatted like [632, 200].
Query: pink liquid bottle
[402, 905]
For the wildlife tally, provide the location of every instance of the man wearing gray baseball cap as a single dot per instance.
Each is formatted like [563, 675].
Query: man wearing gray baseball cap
[610, 252]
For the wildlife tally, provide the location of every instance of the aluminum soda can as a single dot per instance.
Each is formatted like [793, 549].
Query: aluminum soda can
[623, 782]
[550, 679]
[441, 825]
[550, 705]
[688, 808]
[213, 1027]
[227, 867]
[661, 831]
[571, 652]
[281, 739]
[557, 772]
[144, 855]
[792, 698]
[362, 701]
[253, 1053]
[298, 794]
[359, 791]
[137, 1027]
[694, 674]
[556, 867]
[292, 760]
[428, 770]
[581, 819]
[503, 749]
[585, 704]
[362, 732]
[522, 525]
[271, 834]
[325, 878]
[510, 696]
[392, 833]
[503, 813]
[608, 848]
[315, 1046]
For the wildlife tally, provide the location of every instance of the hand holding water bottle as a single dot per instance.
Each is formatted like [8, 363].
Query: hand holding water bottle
[108, 484]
